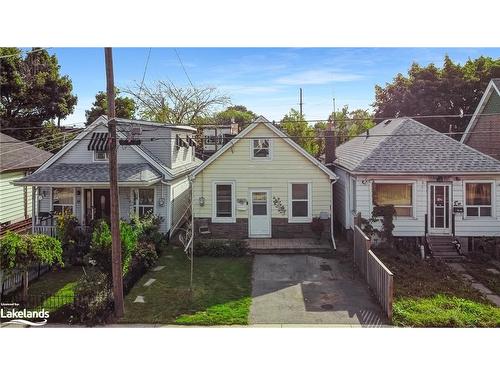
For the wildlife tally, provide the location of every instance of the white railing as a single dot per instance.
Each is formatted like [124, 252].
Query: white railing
[14, 279]
[49, 230]
[378, 277]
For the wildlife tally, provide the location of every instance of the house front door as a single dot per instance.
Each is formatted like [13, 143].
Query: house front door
[102, 205]
[260, 213]
[439, 208]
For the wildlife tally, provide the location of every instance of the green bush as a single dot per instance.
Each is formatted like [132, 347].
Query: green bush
[146, 254]
[13, 246]
[46, 249]
[148, 229]
[93, 299]
[128, 237]
[220, 248]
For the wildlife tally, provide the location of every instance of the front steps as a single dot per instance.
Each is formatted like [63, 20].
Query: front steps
[443, 248]
[288, 246]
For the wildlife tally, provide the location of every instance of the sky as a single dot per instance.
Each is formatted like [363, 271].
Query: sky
[265, 80]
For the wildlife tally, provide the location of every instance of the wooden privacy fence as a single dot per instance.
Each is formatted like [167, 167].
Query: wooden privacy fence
[14, 279]
[376, 274]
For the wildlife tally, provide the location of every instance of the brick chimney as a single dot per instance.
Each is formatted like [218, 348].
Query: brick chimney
[330, 144]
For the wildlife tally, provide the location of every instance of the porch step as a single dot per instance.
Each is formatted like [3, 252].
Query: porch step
[443, 248]
[290, 251]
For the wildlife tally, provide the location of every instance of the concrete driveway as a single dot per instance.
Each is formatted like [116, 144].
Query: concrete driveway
[305, 289]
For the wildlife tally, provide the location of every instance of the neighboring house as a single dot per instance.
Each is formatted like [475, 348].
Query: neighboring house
[261, 184]
[438, 186]
[17, 160]
[216, 136]
[483, 131]
[152, 176]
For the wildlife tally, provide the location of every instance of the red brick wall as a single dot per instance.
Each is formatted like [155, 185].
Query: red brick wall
[280, 229]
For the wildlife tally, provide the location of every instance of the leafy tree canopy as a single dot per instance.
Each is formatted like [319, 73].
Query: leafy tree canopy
[453, 89]
[299, 130]
[238, 114]
[124, 107]
[349, 124]
[32, 91]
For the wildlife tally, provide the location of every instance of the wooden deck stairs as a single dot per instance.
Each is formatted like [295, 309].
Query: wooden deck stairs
[442, 247]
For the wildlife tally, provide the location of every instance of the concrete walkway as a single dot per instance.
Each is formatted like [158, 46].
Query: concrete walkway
[490, 295]
[308, 290]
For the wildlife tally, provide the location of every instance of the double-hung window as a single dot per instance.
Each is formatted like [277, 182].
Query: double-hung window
[478, 199]
[62, 200]
[224, 202]
[261, 149]
[400, 195]
[144, 202]
[299, 197]
[100, 155]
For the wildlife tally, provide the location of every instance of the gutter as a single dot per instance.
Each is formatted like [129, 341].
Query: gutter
[331, 216]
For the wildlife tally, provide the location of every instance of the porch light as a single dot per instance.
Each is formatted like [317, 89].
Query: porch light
[201, 200]
[161, 202]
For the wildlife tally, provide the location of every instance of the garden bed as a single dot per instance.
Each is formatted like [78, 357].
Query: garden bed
[221, 294]
[429, 294]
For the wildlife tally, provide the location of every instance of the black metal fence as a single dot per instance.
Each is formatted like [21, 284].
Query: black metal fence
[37, 302]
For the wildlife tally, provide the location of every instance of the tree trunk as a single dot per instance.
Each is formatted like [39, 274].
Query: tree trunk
[25, 286]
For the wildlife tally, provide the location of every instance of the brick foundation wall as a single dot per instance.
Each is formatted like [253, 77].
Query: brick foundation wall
[280, 228]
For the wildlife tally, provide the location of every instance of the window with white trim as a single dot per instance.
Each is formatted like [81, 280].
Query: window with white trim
[144, 202]
[400, 195]
[261, 149]
[62, 200]
[100, 155]
[300, 202]
[478, 199]
[224, 204]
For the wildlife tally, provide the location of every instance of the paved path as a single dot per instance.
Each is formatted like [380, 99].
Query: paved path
[490, 295]
[305, 289]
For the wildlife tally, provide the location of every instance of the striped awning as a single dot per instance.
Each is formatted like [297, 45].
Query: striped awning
[99, 142]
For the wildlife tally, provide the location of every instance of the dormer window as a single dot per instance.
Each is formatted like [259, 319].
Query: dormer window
[100, 156]
[261, 149]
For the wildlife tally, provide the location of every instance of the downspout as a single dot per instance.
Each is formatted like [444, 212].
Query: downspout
[169, 208]
[331, 217]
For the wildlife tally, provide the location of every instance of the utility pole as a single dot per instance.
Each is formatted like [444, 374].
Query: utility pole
[116, 253]
[300, 102]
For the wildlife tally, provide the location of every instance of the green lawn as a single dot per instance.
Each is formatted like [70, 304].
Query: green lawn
[220, 296]
[429, 294]
[55, 288]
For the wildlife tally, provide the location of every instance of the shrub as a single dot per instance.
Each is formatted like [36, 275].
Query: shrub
[220, 248]
[93, 299]
[128, 237]
[67, 229]
[46, 249]
[146, 254]
[12, 247]
[148, 229]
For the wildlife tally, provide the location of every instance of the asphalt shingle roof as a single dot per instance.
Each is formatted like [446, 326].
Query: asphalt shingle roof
[18, 155]
[86, 173]
[407, 146]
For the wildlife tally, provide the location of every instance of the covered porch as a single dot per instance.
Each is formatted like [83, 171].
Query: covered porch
[84, 191]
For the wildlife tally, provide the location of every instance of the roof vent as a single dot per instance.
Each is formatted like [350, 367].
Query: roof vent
[387, 122]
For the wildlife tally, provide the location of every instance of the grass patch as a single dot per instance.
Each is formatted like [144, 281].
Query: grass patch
[221, 292]
[429, 294]
[478, 271]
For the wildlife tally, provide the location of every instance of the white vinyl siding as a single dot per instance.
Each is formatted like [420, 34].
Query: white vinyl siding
[181, 198]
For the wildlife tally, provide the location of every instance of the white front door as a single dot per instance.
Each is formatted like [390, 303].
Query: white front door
[439, 208]
[260, 213]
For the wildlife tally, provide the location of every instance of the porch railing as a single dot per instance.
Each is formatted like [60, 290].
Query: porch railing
[45, 229]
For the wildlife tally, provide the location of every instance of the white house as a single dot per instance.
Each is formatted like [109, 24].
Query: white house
[438, 186]
[152, 175]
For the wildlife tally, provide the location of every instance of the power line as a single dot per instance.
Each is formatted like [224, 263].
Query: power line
[25, 160]
[183, 68]
[145, 69]
[28, 52]
[40, 127]
[39, 139]
[58, 137]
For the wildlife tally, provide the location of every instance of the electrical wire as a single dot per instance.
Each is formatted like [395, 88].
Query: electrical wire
[28, 52]
[145, 70]
[58, 137]
[183, 68]
[10, 166]
[40, 127]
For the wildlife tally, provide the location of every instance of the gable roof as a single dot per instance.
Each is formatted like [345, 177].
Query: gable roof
[279, 133]
[406, 146]
[145, 153]
[493, 86]
[19, 155]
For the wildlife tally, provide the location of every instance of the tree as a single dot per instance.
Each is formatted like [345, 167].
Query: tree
[53, 138]
[124, 106]
[238, 114]
[21, 251]
[165, 102]
[453, 89]
[299, 130]
[32, 91]
[349, 124]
